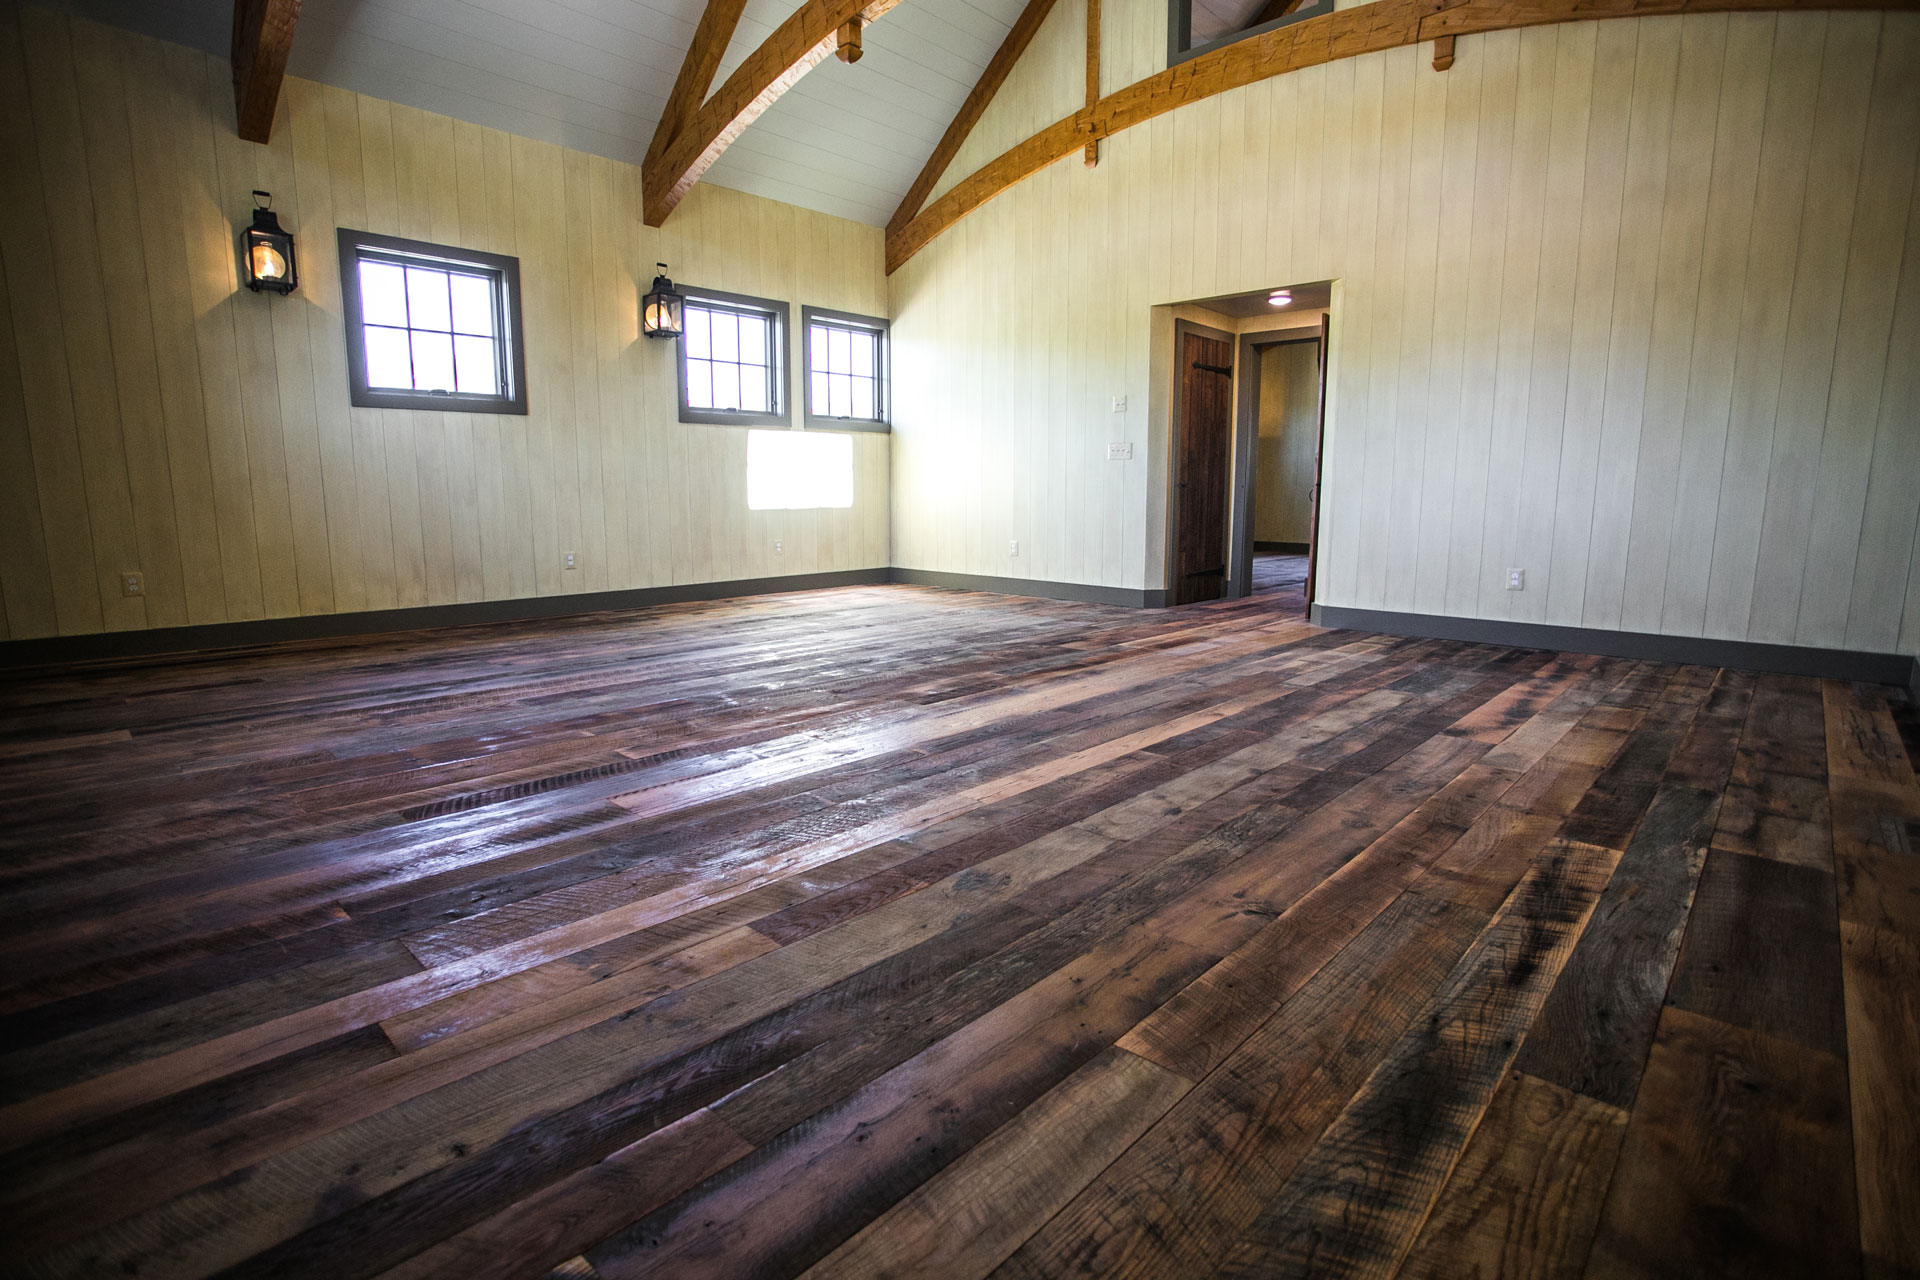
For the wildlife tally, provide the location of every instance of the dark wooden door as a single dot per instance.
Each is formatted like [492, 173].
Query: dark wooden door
[1319, 447]
[1201, 458]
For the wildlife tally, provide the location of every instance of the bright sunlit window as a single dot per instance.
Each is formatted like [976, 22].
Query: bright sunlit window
[799, 470]
[431, 326]
[731, 365]
[846, 371]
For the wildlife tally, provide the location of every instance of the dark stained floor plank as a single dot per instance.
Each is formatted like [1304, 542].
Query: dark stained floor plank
[1876, 799]
[1762, 951]
[965, 1220]
[1737, 1161]
[1595, 1030]
[899, 930]
[1882, 972]
[1525, 1199]
[1357, 1200]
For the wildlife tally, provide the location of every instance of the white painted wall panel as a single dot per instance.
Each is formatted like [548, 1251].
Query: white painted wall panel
[175, 424]
[1631, 305]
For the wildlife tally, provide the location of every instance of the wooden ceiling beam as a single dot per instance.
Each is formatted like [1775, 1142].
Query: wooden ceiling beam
[697, 70]
[1018, 37]
[1345, 33]
[796, 46]
[262, 39]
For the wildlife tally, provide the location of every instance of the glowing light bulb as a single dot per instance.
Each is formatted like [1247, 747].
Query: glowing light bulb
[267, 263]
[1279, 298]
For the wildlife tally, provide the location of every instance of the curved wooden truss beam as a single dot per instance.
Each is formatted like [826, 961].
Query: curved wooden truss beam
[1345, 33]
[1019, 36]
[796, 46]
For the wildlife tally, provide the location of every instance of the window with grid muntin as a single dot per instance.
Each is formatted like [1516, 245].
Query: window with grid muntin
[731, 358]
[430, 328]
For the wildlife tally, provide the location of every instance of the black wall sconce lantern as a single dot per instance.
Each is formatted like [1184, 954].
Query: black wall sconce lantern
[663, 310]
[269, 250]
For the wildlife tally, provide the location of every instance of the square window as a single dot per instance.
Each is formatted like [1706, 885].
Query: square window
[846, 371]
[732, 359]
[430, 326]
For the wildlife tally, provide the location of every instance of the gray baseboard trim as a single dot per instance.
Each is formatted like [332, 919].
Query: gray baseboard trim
[334, 626]
[1744, 655]
[1084, 593]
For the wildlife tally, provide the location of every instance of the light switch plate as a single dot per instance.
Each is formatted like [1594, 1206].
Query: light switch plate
[1119, 450]
[1119, 404]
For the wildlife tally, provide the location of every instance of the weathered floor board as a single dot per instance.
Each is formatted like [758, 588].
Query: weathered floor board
[894, 931]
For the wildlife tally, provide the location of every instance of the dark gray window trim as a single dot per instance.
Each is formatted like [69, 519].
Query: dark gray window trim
[782, 384]
[506, 320]
[1180, 22]
[884, 393]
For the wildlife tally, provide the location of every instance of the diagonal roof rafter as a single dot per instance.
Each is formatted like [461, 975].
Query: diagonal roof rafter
[809, 36]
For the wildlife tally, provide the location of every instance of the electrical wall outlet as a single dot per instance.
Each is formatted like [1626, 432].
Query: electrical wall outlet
[1516, 579]
[1013, 547]
[1119, 451]
[1119, 404]
[572, 561]
[133, 584]
[779, 547]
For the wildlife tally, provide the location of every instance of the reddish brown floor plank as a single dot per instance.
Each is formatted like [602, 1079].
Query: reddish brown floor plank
[739, 937]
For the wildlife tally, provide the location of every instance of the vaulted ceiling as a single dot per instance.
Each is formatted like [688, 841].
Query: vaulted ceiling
[595, 74]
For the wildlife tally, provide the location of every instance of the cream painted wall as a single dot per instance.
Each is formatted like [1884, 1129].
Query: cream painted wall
[1633, 305]
[154, 417]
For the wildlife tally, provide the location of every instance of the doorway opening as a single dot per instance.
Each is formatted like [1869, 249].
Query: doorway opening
[1247, 432]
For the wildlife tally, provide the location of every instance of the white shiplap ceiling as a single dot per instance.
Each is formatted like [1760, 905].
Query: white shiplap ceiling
[595, 74]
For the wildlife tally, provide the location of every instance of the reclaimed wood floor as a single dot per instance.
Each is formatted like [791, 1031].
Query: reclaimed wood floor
[893, 931]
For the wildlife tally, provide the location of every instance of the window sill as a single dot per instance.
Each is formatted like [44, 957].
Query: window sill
[366, 399]
[732, 418]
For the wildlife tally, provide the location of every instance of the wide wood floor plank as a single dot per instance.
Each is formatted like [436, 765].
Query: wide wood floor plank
[1738, 1160]
[1358, 1199]
[1525, 1199]
[893, 930]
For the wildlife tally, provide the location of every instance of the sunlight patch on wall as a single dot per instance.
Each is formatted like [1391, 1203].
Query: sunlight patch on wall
[799, 470]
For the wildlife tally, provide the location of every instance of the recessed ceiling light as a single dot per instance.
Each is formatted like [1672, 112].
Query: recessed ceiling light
[1279, 298]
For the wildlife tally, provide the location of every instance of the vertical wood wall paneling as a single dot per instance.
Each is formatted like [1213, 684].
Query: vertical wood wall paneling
[156, 416]
[1544, 452]
[1585, 329]
[1727, 238]
[108, 146]
[1786, 144]
[25, 588]
[1881, 204]
[239, 169]
[152, 107]
[1888, 568]
[1813, 318]
[43, 359]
